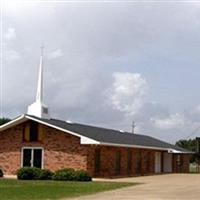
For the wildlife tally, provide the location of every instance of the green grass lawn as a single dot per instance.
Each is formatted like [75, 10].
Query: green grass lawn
[29, 190]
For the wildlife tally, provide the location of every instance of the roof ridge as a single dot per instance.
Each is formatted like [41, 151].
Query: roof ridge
[99, 127]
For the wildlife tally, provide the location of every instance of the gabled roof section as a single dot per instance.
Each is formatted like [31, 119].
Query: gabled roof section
[15, 121]
[102, 136]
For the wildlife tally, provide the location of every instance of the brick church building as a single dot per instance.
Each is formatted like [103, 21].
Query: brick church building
[35, 139]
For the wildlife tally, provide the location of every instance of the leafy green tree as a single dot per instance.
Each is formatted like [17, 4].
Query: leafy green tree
[190, 145]
[4, 120]
[187, 144]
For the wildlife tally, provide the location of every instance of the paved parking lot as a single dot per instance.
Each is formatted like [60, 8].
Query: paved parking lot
[166, 187]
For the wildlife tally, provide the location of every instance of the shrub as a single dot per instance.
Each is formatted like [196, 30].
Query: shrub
[28, 173]
[82, 175]
[66, 174]
[45, 174]
[33, 173]
[69, 174]
[1, 173]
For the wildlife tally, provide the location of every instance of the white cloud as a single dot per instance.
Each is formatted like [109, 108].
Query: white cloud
[174, 121]
[128, 92]
[12, 55]
[198, 109]
[55, 54]
[10, 34]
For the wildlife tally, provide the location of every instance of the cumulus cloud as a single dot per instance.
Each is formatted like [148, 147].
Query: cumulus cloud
[174, 121]
[12, 55]
[10, 34]
[57, 53]
[128, 92]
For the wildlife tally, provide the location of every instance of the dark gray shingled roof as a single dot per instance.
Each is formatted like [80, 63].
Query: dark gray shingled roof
[105, 135]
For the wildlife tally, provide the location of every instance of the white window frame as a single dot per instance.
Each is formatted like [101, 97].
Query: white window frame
[32, 148]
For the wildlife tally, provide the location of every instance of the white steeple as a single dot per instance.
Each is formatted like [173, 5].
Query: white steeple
[38, 109]
[39, 96]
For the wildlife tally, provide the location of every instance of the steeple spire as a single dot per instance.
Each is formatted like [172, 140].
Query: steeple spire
[38, 108]
[39, 96]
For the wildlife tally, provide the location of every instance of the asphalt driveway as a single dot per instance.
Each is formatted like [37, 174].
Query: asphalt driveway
[173, 186]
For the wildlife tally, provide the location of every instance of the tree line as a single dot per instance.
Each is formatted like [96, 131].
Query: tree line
[4, 120]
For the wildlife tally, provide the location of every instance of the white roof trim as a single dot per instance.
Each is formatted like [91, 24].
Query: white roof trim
[12, 123]
[176, 151]
[86, 140]
[135, 146]
[145, 147]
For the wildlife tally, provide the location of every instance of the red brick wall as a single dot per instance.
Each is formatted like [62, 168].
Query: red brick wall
[63, 150]
[108, 161]
[186, 163]
[183, 166]
[145, 159]
[10, 145]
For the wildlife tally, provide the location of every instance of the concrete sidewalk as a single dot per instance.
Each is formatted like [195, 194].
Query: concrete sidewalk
[159, 187]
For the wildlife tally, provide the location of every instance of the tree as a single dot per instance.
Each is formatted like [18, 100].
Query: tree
[189, 145]
[4, 120]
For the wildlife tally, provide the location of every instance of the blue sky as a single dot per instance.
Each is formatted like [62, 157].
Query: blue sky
[107, 63]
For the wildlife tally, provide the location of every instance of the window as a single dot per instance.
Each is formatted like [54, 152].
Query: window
[179, 163]
[129, 161]
[149, 170]
[32, 132]
[32, 157]
[138, 162]
[178, 160]
[146, 161]
[118, 162]
[97, 160]
[26, 135]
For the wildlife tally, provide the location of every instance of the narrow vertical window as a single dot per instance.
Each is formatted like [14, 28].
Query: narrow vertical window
[27, 153]
[149, 170]
[146, 162]
[129, 161]
[118, 162]
[178, 159]
[178, 163]
[139, 162]
[97, 160]
[33, 131]
[40, 133]
[26, 132]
